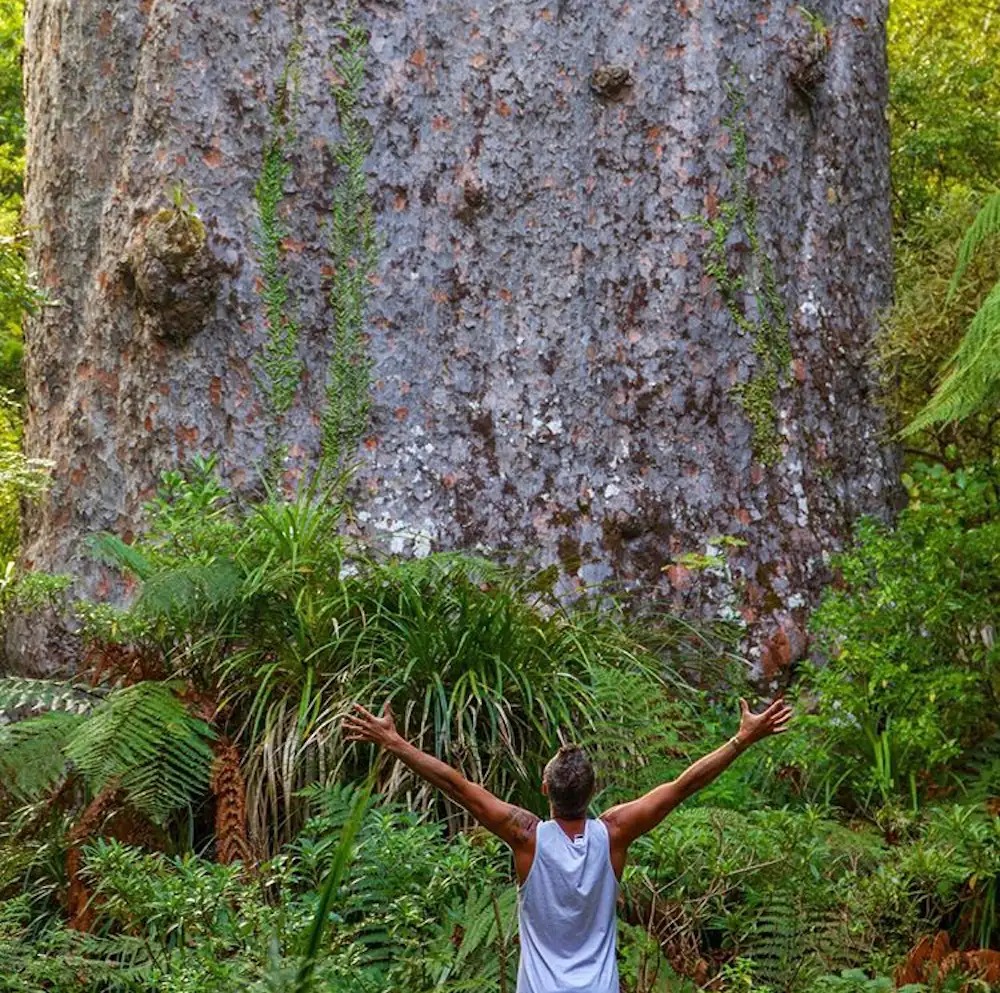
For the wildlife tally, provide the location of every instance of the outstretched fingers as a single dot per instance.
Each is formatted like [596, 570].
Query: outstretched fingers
[358, 726]
[781, 718]
[362, 725]
[355, 732]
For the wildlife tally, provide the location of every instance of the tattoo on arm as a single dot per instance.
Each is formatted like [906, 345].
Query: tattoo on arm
[522, 824]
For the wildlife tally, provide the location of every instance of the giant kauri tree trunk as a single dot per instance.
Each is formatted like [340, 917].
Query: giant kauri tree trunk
[630, 258]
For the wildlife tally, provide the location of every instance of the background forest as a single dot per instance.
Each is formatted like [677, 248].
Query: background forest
[184, 817]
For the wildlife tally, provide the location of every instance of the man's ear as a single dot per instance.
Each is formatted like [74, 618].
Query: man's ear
[545, 788]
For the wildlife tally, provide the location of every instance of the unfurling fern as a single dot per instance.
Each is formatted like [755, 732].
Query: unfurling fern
[971, 377]
[144, 738]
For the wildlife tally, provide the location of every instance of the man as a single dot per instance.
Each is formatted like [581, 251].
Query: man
[568, 867]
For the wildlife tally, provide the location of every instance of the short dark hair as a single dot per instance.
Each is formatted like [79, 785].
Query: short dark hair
[570, 778]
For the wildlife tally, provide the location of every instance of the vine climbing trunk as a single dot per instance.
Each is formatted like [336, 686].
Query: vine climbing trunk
[594, 280]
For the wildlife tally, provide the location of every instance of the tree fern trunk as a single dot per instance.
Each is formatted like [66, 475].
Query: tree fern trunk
[630, 258]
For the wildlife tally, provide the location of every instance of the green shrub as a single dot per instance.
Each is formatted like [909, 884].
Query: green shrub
[944, 90]
[270, 609]
[911, 682]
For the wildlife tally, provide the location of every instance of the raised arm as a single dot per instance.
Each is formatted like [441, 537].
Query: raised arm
[511, 824]
[628, 821]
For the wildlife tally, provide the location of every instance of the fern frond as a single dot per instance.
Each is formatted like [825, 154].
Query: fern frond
[793, 941]
[111, 550]
[40, 695]
[980, 772]
[484, 928]
[144, 737]
[985, 226]
[972, 375]
[442, 565]
[32, 753]
[190, 588]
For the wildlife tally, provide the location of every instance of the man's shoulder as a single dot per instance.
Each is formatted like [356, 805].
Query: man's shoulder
[523, 824]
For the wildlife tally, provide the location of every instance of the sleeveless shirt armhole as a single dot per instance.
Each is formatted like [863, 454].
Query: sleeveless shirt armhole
[607, 838]
[527, 879]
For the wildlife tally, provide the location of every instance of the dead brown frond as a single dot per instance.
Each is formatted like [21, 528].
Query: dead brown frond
[932, 959]
[121, 665]
[231, 841]
[80, 903]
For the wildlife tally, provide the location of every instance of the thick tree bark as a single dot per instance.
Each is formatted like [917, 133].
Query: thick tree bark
[559, 364]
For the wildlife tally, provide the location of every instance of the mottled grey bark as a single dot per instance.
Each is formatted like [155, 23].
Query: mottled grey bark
[554, 368]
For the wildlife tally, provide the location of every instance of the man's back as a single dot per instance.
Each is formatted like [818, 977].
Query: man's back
[567, 916]
[569, 892]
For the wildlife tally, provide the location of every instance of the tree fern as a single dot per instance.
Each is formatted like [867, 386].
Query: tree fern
[42, 695]
[33, 753]
[186, 588]
[191, 589]
[971, 377]
[109, 548]
[984, 227]
[145, 738]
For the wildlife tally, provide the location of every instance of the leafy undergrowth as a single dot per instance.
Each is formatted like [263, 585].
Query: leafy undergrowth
[185, 817]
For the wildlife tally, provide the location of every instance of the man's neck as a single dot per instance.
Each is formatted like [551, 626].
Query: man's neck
[572, 827]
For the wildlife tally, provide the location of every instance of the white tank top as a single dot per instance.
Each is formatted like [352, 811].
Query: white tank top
[567, 913]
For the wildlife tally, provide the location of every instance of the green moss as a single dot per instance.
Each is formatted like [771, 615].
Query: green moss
[756, 397]
[176, 234]
[354, 256]
[766, 321]
[279, 369]
[696, 562]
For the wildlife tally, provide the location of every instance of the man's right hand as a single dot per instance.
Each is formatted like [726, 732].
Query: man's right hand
[753, 727]
[509, 823]
[362, 725]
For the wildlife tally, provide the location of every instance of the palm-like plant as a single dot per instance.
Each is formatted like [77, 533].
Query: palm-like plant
[281, 621]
